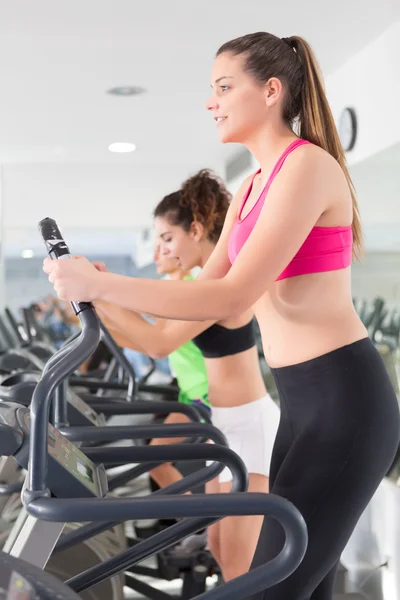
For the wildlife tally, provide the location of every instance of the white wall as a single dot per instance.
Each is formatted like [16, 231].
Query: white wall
[234, 184]
[98, 206]
[370, 83]
[378, 275]
[88, 195]
[377, 181]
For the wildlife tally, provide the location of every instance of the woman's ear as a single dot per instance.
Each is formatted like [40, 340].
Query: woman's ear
[197, 231]
[272, 91]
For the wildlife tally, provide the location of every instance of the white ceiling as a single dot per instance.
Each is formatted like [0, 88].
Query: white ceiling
[58, 59]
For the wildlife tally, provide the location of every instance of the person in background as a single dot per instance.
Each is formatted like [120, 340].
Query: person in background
[188, 224]
[186, 362]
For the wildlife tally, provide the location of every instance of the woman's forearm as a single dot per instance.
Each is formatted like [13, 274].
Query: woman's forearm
[212, 299]
[111, 312]
[133, 331]
[109, 315]
[124, 341]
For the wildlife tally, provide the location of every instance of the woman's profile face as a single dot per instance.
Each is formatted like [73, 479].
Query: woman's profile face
[237, 102]
[176, 243]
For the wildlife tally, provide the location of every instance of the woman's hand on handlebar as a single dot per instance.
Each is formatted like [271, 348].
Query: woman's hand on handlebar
[73, 280]
[100, 266]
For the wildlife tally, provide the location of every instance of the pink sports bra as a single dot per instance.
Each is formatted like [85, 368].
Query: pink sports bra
[325, 248]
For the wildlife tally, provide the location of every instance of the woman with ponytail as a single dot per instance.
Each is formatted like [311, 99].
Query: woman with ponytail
[286, 249]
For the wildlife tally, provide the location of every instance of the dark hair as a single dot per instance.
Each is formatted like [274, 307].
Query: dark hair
[202, 198]
[293, 62]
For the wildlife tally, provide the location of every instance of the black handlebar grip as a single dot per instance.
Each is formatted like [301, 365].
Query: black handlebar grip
[55, 244]
[56, 249]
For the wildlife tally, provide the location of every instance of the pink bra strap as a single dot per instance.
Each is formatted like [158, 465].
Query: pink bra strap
[274, 172]
[246, 195]
[282, 159]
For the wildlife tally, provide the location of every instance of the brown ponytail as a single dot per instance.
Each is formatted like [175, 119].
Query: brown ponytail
[202, 198]
[293, 62]
[318, 126]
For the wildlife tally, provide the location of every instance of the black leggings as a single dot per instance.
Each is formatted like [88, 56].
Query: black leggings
[338, 434]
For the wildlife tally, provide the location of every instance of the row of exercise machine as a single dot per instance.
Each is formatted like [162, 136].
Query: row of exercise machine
[68, 475]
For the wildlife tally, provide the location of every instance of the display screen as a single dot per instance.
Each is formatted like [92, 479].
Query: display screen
[84, 470]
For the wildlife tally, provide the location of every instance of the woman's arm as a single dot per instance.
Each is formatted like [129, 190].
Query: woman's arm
[124, 341]
[111, 314]
[156, 340]
[106, 313]
[296, 200]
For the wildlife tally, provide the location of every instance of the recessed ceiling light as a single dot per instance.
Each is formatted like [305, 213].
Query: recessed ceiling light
[122, 147]
[126, 90]
[27, 254]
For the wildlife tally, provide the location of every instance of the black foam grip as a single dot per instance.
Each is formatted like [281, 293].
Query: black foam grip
[57, 248]
[53, 239]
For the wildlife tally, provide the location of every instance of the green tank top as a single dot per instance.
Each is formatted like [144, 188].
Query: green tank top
[189, 368]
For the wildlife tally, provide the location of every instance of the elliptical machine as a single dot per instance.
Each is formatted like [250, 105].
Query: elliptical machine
[58, 468]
